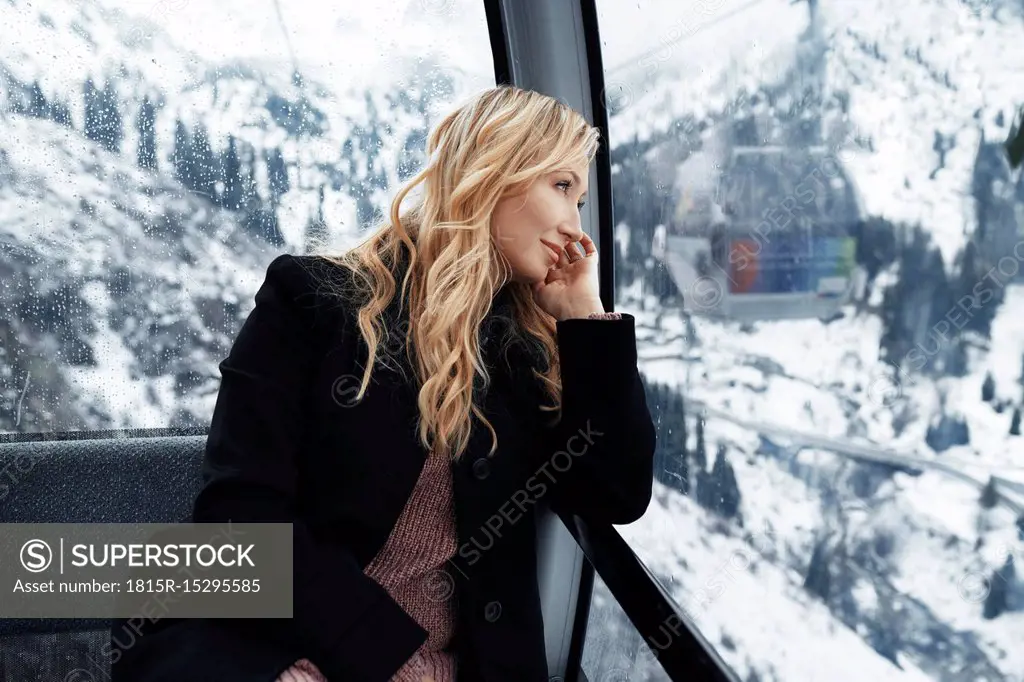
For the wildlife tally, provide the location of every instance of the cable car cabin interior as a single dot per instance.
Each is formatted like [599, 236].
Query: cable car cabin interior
[837, 489]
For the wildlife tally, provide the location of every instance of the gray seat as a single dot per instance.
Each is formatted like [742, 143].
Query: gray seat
[94, 480]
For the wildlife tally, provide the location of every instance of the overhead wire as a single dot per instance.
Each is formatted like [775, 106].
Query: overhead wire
[635, 61]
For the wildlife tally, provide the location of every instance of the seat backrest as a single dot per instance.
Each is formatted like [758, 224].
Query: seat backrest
[115, 480]
[155, 480]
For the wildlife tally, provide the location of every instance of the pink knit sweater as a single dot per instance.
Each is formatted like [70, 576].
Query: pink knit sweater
[411, 567]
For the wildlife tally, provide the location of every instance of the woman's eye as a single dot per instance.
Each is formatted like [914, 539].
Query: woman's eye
[566, 185]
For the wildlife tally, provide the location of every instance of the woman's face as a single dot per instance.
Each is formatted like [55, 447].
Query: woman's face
[530, 229]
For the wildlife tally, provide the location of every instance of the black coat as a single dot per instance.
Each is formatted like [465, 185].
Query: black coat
[286, 444]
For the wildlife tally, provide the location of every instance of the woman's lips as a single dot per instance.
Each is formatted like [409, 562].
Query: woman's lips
[556, 253]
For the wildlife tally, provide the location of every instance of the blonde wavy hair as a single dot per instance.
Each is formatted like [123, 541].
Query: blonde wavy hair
[493, 146]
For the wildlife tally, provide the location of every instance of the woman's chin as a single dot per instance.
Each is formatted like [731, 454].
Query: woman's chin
[531, 276]
[540, 276]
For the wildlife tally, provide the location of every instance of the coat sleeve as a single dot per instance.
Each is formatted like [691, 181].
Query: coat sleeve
[249, 475]
[601, 452]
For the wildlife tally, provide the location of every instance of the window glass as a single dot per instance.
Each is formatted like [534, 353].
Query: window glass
[821, 238]
[614, 651]
[155, 156]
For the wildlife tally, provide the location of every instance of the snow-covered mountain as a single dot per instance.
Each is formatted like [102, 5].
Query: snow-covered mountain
[907, 72]
[830, 569]
[132, 240]
[123, 287]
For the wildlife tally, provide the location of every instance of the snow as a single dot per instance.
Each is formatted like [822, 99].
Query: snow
[828, 380]
[73, 212]
[901, 103]
[741, 589]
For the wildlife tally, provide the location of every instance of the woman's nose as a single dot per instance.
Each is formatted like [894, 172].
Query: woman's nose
[572, 229]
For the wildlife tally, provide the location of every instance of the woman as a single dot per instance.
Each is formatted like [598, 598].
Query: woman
[406, 405]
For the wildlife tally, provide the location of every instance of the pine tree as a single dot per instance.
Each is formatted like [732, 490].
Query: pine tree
[989, 497]
[316, 227]
[1015, 142]
[232, 198]
[943, 298]
[818, 580]
[641, 216]
[671, 465]
[60, 112]
[92, 129]
[999, 584]
[969, 285]
[412, 157]
[277, 175]
[102, 116]
[258, 215]
[37, 106]
[700, 455]
[876, 245]
[1015, 422]
[988, 388]
[262, 222]
[684, 435]
[146, 124]
[724, 495]
[181, 156]
[115, 125]
[703, 489]
[894, 344]
[921, 285]
[677, 461]
[204, 175]
[247, 173]
[662, 284]
[947, 432]
[956, 357]
[656, 398]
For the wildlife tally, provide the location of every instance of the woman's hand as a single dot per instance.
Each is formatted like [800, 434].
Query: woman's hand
[571, 286]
